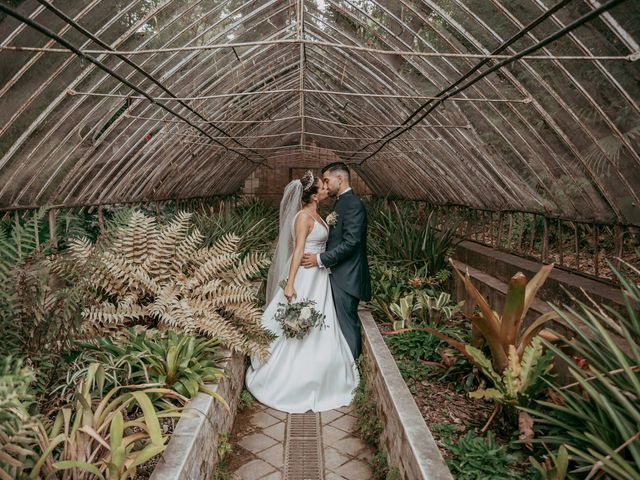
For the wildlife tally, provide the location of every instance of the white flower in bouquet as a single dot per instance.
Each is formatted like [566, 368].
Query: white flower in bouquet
[305, 313]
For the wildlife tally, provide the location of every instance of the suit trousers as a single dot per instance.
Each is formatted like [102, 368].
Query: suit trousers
[347, 313]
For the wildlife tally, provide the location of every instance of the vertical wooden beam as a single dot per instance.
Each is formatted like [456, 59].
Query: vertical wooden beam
[500, 221]
[545, 240]
[618, 244]
[560, 242]
[16, 218]
[52, 230]
[576, 244]
[521, 231]
[510, 232]
[101, 220]
[596, 258]
[532, 233]
[36, 228]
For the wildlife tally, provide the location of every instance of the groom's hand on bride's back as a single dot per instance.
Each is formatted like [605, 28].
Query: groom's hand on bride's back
[309, 260]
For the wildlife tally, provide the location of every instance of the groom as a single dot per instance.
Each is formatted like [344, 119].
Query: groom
[346, 253]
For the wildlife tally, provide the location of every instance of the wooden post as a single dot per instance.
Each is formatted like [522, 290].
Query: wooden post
[52, 230]
[560, 242]
[36, 230]
[595, 250]
[101, 220]
[16, 217]
[545, 240]
[576, 244]
[521, 232]
[500, 221]
[532, 233]
[618, 244]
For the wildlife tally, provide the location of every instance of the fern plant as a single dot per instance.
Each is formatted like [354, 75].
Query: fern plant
[17, 427]
[161, 276]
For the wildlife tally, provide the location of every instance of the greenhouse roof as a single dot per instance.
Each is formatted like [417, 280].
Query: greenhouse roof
[525, 105]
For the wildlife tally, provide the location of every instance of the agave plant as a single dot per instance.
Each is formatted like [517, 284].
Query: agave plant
[597, 417]
[17, 427]
[93, 439]
[161, 276]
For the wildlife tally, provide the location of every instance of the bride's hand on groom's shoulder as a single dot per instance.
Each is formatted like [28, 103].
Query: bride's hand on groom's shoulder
[289, 292]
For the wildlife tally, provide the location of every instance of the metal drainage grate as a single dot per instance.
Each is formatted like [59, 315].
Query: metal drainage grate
[303, 448]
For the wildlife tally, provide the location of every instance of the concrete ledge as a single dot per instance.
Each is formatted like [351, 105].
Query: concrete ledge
[192, 452]
[502, 266]
[406, 439]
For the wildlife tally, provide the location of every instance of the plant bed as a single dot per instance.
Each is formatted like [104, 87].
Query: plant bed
[405, 437]
[193, 451]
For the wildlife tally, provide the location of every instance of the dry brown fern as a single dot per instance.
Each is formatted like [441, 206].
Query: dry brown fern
[161, 275]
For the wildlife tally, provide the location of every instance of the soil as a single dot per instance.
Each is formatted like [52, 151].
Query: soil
[242, 427]
[145, 470]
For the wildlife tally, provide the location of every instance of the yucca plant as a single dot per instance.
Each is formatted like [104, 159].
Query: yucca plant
[104, 434]
[181, 362]
[145, 274]
[597, 417]
[17, 427]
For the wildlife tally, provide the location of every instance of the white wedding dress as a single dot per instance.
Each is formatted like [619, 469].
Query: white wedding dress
[316, 372]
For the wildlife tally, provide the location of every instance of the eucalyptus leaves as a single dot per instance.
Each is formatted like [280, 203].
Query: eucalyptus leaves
[297, 319]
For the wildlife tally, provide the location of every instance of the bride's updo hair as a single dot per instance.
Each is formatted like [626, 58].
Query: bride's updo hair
[310, 186]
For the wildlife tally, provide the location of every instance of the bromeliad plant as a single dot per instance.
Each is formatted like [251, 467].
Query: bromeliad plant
[105, 434]
[161, 276]
[597, 417]
[180, 362]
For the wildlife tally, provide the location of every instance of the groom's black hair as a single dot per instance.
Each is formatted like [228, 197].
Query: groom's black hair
[338, 167]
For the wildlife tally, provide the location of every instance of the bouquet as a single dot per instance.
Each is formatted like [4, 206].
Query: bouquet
[297, 319]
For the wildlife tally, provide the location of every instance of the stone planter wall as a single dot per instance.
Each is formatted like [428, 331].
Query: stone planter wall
[192, 453]
[406, 439]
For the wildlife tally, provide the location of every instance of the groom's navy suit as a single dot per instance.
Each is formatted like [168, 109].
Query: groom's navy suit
[346, 256]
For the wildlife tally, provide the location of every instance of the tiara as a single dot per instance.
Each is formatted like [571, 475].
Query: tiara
[307, 180]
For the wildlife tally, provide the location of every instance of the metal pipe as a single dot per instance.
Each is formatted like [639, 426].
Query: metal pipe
[45, 31]
[450, 91]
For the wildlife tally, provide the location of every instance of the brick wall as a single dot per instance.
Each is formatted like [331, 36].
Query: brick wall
[268, 183]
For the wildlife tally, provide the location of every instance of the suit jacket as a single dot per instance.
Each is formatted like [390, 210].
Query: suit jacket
[346, 251]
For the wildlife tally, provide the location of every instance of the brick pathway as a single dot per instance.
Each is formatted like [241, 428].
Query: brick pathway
[345, 456]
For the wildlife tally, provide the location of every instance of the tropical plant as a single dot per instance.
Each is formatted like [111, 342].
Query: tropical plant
[597, 417]
[17, 427]
[403, 311]
[181, 362]
[104, 434]
[388, 284]
[523, 378]
[255, 222]
[142, 273]
[553, 467]
[502, 332]
[479, 458]
[435, 310]
[396, 237]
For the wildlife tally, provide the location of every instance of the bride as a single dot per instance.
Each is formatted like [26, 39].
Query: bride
[316, 372]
